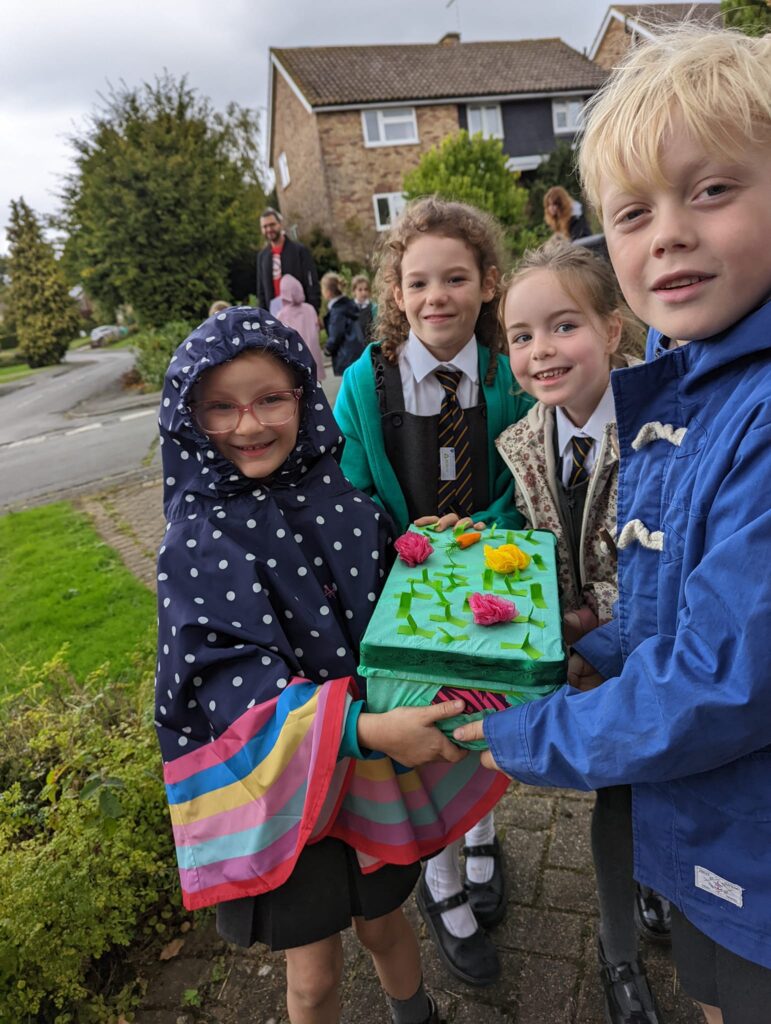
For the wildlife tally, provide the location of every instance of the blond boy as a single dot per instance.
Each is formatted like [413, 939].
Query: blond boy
[676, 157]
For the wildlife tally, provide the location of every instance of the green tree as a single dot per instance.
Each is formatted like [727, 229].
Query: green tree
[164, 201]
[45, 317]
[471, 170]
[322, 250]
[753, 17]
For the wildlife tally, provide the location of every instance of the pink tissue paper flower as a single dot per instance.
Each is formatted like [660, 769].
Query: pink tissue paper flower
[412, 548]
[488, 609]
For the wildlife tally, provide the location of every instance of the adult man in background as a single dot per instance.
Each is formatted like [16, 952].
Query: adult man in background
[283, 256]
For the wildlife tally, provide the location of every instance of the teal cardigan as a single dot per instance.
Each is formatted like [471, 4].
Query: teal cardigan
[364, 459]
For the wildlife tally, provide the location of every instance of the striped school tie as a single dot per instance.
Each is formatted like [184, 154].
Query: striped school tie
[453, 495]
[581, 446]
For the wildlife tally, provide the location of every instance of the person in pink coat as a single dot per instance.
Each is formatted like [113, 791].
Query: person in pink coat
[298, 314]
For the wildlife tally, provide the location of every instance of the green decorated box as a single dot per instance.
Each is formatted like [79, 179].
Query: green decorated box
[423, 644]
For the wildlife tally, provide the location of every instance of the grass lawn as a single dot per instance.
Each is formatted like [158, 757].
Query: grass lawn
[17, 370]
[60, 582]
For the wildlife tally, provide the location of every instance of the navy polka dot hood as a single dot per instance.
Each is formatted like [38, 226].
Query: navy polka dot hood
[259, 582]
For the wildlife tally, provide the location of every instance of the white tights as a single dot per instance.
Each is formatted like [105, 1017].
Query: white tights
[443, 876]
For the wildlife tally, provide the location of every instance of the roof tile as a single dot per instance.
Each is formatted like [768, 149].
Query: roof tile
[340, 75]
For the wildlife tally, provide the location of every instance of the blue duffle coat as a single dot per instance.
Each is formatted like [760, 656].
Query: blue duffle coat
[685, 713]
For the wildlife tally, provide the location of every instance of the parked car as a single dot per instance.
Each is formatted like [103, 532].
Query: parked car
[106, 333]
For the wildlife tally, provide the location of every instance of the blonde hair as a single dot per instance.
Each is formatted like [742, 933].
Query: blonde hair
[435, 216]
[333, 283]
[560, 198]
[359, 279]
[589, 281]
[719, 83]
[218, 306]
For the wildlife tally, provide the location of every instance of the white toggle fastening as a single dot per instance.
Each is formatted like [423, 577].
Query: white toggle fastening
[655, 431]
[636, 530]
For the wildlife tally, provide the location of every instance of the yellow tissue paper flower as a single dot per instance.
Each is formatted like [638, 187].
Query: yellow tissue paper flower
[506, 558]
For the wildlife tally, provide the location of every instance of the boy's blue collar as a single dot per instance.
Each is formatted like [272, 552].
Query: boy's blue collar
[749, 336]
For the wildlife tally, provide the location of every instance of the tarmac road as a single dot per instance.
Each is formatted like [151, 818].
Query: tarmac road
[73, 427]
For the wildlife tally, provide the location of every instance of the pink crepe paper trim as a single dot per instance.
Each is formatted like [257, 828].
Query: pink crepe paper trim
[488, 609]
[412, 548]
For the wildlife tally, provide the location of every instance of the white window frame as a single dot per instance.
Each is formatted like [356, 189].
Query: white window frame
[283, 170]
[396, 203]
[488, 112]
[572, 108]
[388, 116]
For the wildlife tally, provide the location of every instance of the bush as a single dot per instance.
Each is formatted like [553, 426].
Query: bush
[155, 347]
[86, 853]
[322, 250]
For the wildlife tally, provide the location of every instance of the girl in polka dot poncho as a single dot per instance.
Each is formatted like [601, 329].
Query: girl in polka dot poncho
[270, 568]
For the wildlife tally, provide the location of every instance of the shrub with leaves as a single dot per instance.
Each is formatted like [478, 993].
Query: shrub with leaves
[474, 170]
[155, 347]
[470, 170]
[86, 854]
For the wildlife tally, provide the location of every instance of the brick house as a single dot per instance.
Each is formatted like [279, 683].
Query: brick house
[346, 122]
[625, 23]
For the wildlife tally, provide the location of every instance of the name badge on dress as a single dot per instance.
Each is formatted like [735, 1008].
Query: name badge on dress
[447, 464]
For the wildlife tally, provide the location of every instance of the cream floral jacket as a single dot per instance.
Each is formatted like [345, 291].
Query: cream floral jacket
[527, 448]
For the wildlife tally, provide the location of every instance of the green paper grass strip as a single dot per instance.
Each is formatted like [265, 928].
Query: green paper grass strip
[447, 616]
[510, 539]
[531, 652]
[538, 562]
[405, 601]
[529, 619]
[416, 593]
[493, 529]
[438, 587]
[525, 646]
[487, 580]
[413, 629]
[536, 595]
[512, 589]
[448, 638]
[530, 538]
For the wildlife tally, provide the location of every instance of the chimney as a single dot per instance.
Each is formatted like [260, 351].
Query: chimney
[450, 39]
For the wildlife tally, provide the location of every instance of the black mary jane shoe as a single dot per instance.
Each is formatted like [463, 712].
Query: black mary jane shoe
[627, 994]
[473, 959]
[433, 1017]
[652, 916]
[487, 899]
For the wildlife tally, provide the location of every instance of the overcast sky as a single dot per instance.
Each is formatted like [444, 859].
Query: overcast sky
[56, 56]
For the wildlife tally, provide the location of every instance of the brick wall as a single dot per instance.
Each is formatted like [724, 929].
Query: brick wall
[613, 46]
[304, 202]
[354, 173]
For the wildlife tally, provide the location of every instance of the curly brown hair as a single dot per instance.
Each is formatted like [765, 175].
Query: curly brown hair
[434, 216]
[589, 280]
[560, 198]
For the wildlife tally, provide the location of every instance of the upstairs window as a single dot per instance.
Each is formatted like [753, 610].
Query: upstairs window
[388, 206]
[485, 120]
[566, 116]
[283, 170]
[389, 126]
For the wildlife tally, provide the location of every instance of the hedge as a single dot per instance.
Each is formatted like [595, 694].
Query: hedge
[154, 347]
[86, 854]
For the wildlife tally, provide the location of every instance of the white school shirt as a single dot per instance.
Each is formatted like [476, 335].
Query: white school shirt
[423, 393]
[594, 428]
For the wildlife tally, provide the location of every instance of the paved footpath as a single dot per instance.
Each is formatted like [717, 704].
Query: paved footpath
[547, 941]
